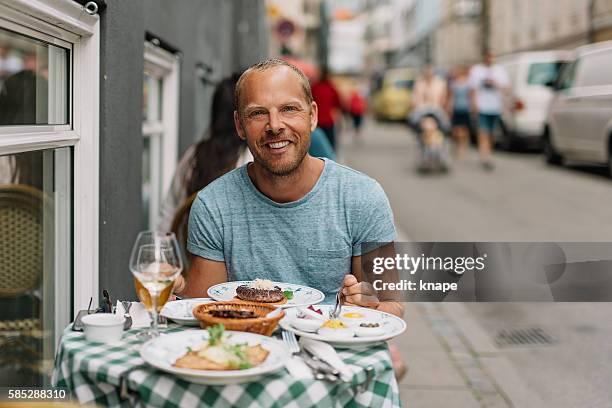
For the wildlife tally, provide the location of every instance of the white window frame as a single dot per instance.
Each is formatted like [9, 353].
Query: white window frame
[164, 66]
[64, 22]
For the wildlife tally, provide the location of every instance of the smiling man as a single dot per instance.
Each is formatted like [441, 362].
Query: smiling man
[287, 216]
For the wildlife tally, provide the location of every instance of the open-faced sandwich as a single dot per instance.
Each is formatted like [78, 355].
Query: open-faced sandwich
[263, 291]
[218, 353]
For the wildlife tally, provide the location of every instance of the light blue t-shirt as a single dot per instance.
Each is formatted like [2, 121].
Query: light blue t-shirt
[309, 241]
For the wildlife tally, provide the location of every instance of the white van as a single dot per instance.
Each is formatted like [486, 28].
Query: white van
[531, 76]
[579, 120]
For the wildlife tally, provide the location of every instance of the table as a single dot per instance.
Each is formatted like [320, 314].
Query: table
[93, 372]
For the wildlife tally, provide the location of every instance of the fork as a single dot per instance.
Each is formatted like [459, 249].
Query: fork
[335, 313]
[291, 341]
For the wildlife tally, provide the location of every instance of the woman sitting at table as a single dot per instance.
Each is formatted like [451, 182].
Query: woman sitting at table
[219, 152]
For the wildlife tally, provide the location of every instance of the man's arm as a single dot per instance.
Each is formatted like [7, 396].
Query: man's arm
[201, 275]
[450, 102]
[360, 293]
[473, 104]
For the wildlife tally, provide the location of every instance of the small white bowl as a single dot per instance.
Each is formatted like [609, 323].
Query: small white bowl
[312, 314]
[103, 327]
[369, 331]
[306, 325]
[355, 320]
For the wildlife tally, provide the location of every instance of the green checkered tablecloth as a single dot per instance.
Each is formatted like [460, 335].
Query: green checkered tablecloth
[94, 372]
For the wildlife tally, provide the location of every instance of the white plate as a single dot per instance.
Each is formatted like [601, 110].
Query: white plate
[393, 325]
[302, 295]
[180, 311]
[163, 351]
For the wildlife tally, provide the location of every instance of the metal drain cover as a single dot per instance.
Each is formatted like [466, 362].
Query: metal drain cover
[531, 336]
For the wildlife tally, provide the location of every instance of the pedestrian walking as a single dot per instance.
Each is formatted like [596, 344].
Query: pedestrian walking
[459, 110]
[357, 106]
[327, 98]
[488, 83]
[429, 99]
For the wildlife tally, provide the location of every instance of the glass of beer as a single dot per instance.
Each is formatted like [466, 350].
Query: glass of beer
[155, 263]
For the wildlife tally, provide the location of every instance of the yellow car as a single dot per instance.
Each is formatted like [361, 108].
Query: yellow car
[391, 96]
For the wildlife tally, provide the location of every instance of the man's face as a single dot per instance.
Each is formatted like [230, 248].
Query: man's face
[275, 119]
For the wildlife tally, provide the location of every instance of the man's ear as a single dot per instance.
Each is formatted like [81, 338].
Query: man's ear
[238, 126]
[314, 116]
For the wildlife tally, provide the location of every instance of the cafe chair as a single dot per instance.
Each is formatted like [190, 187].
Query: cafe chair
[22, 212]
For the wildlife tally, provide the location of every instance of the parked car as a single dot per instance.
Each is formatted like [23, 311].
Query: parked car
[391, 94]
[532, 75]
[579, 124]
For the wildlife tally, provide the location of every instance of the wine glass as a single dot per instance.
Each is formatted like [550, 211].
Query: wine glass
[155, 263]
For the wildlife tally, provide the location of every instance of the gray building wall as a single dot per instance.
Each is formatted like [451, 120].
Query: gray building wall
[121, 65]
[223, 35]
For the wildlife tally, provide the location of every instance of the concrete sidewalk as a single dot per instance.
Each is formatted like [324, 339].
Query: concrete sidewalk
[453, 363]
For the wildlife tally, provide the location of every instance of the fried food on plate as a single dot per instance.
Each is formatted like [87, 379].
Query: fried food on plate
[219, 354]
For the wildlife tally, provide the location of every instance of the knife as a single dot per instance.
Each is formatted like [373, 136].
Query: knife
[317, 369]
[323, 365]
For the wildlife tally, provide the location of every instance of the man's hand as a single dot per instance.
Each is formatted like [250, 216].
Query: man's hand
[359, 293]
[179, 285]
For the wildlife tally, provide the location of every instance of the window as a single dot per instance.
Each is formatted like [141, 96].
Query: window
[49, 66]
[35, 210]
[403, 84]
[33, 81]
[567, 75]
[543, 73]
[159, 129]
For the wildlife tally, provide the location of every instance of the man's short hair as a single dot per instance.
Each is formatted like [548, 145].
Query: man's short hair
[268, 64]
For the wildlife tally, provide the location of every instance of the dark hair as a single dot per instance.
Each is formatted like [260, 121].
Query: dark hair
[217, 154]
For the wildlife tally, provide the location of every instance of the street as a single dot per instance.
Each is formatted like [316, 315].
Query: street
[524, 200]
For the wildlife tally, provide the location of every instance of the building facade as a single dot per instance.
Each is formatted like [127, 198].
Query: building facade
[96, 106]
[454, 32]
[457, 37]
[522, 25]
[294, 28]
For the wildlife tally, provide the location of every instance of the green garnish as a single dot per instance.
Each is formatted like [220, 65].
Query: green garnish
[240, 351]
[215, 338]
[288, 294]
[189, 349]
[244, 365]
[215, 333]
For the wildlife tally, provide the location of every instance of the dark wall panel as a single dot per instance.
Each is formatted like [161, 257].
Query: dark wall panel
[221, 35]
[122, 31]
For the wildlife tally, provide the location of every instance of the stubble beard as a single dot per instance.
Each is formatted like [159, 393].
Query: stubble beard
[282, 170]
